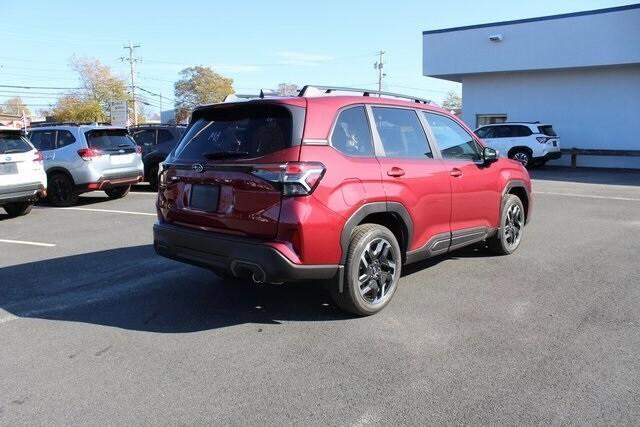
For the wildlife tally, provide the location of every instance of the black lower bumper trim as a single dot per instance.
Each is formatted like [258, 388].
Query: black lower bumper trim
[20, 193]
[238, 256]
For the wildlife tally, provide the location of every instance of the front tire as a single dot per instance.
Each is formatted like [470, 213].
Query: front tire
[512, 220]
[523, 156]
[372, 271]
[18, 209]
[61, 192]
[117, 192]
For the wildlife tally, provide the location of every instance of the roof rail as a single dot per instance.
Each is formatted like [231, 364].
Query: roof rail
[46, 124]
[537, 122]
[365, 92]
[146, 125]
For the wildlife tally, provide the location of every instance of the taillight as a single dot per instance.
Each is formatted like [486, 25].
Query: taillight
[542, 139]
[138, 149]
[89, 153]
[38, 157]
[293, 178]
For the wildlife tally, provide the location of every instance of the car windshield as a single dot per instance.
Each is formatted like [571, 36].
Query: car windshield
[109, 139]
[13, 142]
[236, 132]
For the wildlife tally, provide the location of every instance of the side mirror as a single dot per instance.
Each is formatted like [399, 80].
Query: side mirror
[489, 155]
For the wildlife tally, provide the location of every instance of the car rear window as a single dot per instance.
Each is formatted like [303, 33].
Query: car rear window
[109, 139]
[236, 132]
[13, 142]
[547, 130]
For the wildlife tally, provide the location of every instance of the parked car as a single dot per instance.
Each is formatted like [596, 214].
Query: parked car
[342, 188]
[22, 177]
[156, 142]
[87, 157]
[531, 143]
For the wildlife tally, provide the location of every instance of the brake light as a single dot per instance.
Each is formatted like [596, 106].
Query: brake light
[542, 139]
[89, 153]
[138, 149]
[293, 178]
[38, 157]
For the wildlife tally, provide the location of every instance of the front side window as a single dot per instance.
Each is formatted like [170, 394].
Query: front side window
[351, 134]
[13, 142]
[43, 140]
[145, 137]
[401, 133]
[454, 141]
[486, 132]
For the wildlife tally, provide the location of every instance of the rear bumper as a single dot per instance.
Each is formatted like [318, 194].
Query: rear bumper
[114, 182]
[237, 256]
[22, 193]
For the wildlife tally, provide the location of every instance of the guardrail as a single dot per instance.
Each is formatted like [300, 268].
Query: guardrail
[575, 152]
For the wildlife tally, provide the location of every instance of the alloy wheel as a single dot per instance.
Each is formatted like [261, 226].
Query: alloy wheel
[513, 223]
[377, 271]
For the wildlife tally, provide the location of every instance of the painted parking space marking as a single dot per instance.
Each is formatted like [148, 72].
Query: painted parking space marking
[26, 242]
[106, 211]
[588, 196]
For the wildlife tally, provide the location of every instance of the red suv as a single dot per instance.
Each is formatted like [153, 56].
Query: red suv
[347, 189]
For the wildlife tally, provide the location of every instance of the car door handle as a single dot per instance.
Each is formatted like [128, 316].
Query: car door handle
[395, 171]
[455, 172]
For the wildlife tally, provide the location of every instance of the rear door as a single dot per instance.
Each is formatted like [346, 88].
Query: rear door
[221, 175]
[410, 173]
[17, 164]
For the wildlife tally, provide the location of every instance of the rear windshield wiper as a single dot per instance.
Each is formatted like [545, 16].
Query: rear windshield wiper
[213, 155]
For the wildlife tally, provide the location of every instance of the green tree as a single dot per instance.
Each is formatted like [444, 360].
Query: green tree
[452, 102]
[99, 87]
[15, 106]
[199, 85]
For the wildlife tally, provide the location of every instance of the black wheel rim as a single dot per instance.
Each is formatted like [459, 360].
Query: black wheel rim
[513, 223]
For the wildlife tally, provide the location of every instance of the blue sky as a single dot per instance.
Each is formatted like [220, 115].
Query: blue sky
[257, 43]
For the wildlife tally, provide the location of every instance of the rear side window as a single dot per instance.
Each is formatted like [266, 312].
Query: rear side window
[64, 138]
[351, 134]
[547, 130]
[519, 131]
[237, 131]
[401, 133]
[109, 139]
[44, 140]
[453, 140]
[12, 142]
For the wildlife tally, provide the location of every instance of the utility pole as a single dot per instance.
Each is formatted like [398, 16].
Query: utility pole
[379, 66]
[132, 60]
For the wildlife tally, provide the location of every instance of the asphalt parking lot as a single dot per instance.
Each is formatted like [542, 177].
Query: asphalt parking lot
[97, 329]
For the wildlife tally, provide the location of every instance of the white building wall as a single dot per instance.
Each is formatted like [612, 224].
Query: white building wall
[588, 108]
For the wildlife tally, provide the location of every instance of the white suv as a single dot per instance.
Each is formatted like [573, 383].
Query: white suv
[22, 177]
[532, 143]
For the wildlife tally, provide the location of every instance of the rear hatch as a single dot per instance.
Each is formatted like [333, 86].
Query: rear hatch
[113, 152]
[550, 137]
[17, 157]
[223, 176]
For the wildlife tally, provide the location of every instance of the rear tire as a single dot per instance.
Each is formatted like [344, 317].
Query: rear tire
[523, 156]
[61, 191]
[117, 192]
[512, 220]
[18, 209]
[372, 271]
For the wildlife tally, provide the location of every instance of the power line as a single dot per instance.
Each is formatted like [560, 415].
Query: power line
[43, 87]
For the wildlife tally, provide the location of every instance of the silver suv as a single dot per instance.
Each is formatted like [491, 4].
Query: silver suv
[80, 158]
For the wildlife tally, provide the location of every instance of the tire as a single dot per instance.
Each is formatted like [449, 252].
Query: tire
[18, 209]
[372, 271]
[512, 220]
[117, 192]
[523, 156]
[61, 191]
[153, 177]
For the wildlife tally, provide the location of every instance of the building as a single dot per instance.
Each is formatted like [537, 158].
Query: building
[577, 71]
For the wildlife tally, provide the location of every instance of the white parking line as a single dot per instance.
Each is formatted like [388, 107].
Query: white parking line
[108, 211]
[588, 196]
[26, 242]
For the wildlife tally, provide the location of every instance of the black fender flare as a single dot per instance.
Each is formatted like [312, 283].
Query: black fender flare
[58, 169]
[368, 209]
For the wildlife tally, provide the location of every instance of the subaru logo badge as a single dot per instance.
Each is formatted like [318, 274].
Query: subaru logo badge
[120, 151]
[8, 158]
[197, 167]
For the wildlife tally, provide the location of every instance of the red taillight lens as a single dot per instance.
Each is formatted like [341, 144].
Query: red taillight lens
[38, 157]
[138, 149]
[89, 153]
[294, 178]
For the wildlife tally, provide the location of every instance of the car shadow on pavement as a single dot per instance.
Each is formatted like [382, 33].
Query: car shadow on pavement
[628, 177]
[133, 288]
